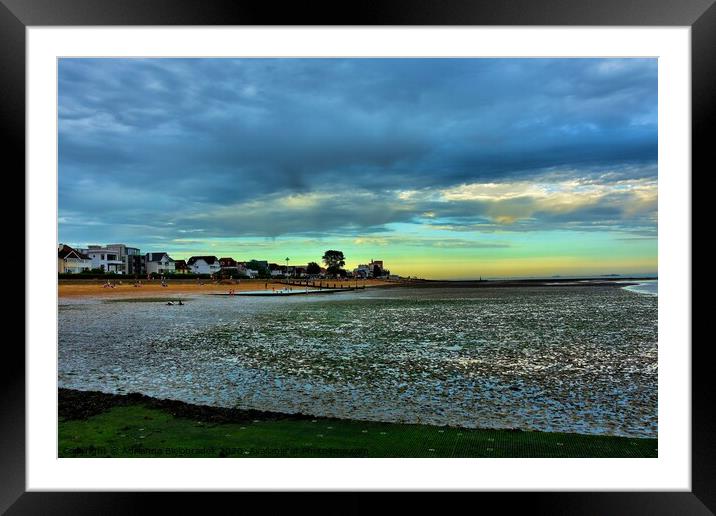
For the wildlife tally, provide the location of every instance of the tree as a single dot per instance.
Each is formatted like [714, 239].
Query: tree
[334, 260]
[313, 268]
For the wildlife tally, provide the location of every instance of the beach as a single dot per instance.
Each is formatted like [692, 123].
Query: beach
[153, 288]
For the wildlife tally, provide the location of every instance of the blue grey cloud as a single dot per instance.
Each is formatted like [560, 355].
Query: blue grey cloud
[166, 144]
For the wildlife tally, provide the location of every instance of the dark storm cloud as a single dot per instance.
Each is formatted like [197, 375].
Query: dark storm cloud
[169, 143]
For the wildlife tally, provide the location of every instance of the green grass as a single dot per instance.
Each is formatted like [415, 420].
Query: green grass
[139, 431]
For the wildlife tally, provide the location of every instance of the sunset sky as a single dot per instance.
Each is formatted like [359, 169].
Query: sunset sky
[443, 168]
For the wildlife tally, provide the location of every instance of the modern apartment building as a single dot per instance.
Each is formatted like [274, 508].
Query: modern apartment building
[117, 258]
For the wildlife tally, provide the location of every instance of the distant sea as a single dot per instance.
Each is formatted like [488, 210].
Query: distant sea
[645, 276]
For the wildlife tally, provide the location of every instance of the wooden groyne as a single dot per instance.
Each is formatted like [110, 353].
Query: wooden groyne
[295, 288]
[297, 292]
[328, 285]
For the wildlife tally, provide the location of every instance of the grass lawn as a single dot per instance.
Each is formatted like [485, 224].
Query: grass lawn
[140, 430]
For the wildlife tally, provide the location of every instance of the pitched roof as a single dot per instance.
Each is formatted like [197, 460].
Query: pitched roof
[156, 257]
[180, 264]
[227, 262]
[208, 259]
[65, 251]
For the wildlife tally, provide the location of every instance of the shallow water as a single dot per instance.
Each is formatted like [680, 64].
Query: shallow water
[577, 359]
[650, 287]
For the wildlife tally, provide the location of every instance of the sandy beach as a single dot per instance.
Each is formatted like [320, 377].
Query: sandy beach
[97, 288]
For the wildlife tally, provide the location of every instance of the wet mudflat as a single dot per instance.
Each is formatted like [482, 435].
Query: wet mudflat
[561, 358]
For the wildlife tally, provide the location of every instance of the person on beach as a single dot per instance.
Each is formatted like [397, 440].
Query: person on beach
[180, 303]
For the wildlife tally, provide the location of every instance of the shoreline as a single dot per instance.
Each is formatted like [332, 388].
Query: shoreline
[96, 288]
[74, 404]
[67, 288]
[97, 424]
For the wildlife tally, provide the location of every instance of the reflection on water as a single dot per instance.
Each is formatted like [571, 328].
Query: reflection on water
[580, 359]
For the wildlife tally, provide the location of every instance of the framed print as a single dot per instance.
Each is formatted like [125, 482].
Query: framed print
[416, 250]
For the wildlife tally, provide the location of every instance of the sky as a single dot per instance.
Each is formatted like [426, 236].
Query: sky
[443, 168]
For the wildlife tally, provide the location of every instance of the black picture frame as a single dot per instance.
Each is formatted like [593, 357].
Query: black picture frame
[700, 15]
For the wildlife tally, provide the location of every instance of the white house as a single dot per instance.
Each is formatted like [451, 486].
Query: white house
[105, 258]
[363, 271]
[71, 260]
[203, 264]
[368, 270]
[159, 263]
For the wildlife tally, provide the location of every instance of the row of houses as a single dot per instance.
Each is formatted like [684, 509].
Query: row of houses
[126, 260]
[117, 259]
[122, 259]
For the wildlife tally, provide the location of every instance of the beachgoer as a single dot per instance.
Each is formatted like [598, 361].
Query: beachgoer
[180, 303]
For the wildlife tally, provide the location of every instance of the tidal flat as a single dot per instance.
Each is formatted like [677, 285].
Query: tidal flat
[575, 359]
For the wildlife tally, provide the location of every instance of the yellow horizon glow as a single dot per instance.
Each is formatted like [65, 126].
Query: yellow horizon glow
[526, 267]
